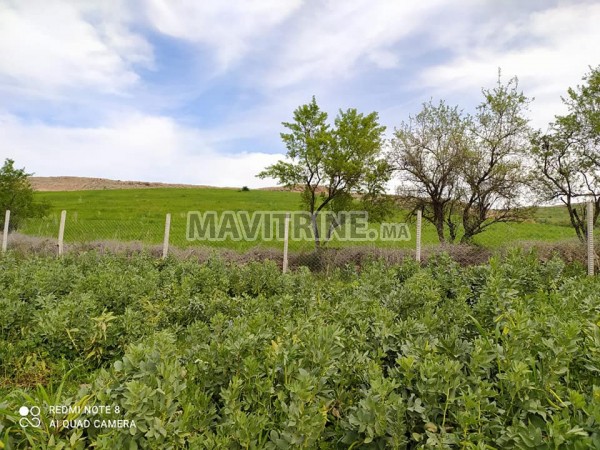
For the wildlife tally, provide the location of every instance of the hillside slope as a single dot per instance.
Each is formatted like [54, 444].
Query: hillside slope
[54, 184]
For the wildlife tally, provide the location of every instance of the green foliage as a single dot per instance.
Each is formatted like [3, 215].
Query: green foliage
[333, 165]
[16, 195]
[566, 159]
[503, 355]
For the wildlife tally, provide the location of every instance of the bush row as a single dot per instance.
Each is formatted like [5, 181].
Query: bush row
[215, 355]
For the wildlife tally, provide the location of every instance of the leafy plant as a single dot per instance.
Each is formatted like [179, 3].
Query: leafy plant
[503, 355]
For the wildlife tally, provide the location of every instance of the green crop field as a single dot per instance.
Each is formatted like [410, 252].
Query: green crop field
[139, 214]
[131, 352]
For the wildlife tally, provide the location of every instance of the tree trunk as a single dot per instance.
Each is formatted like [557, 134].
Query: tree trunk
[452, 230]
[576, 222]
[438, 216]
[316, 231]
[439, 227]
[469, 229]
[467, 237]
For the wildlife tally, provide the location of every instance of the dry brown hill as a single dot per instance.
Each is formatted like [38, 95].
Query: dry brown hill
[84, 184]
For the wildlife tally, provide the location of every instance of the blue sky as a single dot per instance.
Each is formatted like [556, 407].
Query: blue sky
[195, 91]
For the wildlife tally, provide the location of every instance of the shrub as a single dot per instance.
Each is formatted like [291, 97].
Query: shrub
[217, 355]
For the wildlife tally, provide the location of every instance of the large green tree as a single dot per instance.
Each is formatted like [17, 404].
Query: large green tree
[16, 195]
[339, 167]
[567, 157]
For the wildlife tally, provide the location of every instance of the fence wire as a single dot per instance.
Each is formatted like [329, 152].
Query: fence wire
[108, 230]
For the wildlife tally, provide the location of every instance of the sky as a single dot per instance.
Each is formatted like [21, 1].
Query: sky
[185, 91]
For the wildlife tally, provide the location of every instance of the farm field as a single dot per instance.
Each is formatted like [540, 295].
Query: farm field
[139, 214]
[299, 225]
[500, 356]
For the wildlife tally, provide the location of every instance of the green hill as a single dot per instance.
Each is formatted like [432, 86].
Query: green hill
[139, 214]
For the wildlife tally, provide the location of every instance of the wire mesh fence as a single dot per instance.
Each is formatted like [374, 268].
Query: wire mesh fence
[289, 243]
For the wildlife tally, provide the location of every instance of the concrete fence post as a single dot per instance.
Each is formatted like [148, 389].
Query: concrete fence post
[5, 231]
[286, 233]
[418, 237]
[61, 232]
[167, 233]
[590, 238]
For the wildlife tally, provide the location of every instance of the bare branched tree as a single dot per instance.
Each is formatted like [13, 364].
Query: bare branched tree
[567, 158]
[465, 172]
[494, 176]
[429, 151]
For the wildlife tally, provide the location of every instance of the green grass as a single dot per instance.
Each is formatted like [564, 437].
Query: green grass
[554, 215]
[139, 214]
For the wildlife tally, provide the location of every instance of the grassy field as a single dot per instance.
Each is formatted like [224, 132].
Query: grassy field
[139, 214]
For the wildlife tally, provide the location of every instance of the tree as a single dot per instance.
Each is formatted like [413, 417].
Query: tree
[428, 152]
[567, 157]
[339, 168]
[462, 170]
[16, 195]
[493, 175]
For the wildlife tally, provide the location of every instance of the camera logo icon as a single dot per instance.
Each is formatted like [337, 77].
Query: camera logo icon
[30, 417]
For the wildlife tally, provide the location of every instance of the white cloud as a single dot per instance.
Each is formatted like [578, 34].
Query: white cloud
[68, 53]
[131, 147]
[332, 38]
[45, 46]
[550, 51]
[228, 27]
[384, 59]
